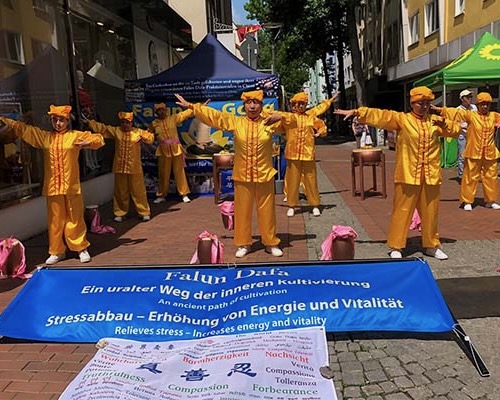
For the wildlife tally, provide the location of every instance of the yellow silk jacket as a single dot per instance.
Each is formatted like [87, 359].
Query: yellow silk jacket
[127, 158]
[299, 131]
[166, 134]
[253, 145]
[418, 154]
[480, 132]
[60, 155]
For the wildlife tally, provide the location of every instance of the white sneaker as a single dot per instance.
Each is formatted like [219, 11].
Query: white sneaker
[290, 212]
[493, 205]
[159, 200]
[84, 256]
[55, 258]
[436, 253]
[186, 199]
[146, 217]
[316, 212]
[241, 252]
[395, 254]
[118, 219]
[467, 207]
[285, 199]
[274, 250]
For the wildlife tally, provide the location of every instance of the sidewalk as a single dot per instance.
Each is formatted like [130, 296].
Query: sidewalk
[365, 367]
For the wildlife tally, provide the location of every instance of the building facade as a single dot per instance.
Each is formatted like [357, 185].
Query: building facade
[404, 40]
[436, 32]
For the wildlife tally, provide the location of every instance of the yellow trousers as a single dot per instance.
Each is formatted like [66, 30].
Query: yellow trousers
[166, 165]
[245, 194]
[474, 170]
[127, 186]
[305, 170]
[425, 198]
[66, 223]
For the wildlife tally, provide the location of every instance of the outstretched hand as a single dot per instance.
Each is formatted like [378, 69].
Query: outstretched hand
[441, 122]
[346, 113]
[181, 101]
[435, 108]
[273, 118]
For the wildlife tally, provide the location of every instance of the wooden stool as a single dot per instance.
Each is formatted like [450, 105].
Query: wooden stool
[220, 161]
[365, 158]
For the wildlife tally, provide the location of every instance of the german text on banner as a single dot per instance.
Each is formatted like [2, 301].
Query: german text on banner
[84, 305]
[264, 365]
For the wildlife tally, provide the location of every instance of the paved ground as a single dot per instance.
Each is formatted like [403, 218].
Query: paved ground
[367, 366]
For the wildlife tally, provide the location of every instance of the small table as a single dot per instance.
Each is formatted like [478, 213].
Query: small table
[221, 161]
[364, 158]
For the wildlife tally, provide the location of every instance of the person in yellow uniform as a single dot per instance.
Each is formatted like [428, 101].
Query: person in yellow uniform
[301, 128]
[127, 165]
[61, 184]
[253, 172]
[417, 174]
[170, 152]
[480, 154]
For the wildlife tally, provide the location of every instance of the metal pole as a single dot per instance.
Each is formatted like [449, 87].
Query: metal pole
[272, 56]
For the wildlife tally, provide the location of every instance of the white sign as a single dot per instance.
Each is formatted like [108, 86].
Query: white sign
[275, 365]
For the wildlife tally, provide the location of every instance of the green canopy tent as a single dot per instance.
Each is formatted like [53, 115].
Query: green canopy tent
[479, 65]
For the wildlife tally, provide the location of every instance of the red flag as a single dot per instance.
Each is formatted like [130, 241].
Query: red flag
[244, 30]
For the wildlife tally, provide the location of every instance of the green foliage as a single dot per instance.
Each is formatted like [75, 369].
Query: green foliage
[311, 29]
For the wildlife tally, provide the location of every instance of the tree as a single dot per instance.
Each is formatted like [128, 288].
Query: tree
[312, 30]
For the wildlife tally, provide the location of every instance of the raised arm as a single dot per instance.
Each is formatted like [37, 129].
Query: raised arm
[88, 140]
[146, 136]
[30, 134]
[446, 126]
[322, 107]
[383, 119]
[453, 113]
[209, 116]
[106, 131]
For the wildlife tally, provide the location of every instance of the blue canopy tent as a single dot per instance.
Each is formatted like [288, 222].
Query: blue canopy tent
[210, 71]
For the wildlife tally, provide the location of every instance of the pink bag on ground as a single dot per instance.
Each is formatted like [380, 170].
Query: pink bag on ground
[227, 211]
[97, 227]
[12, 259]
[415, 221]
[216, 250]
[339, 232]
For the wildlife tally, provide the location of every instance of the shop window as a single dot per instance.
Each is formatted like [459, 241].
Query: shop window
[11, 47]
[27, 97]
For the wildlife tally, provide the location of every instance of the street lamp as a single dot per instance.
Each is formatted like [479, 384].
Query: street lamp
[270, 26]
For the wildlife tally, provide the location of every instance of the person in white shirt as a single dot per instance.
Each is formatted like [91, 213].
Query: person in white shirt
[466, 97]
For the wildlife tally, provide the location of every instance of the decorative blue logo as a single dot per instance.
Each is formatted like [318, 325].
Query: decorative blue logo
[243, 368]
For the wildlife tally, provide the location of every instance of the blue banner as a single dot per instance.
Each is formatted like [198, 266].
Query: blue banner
[155, 304]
